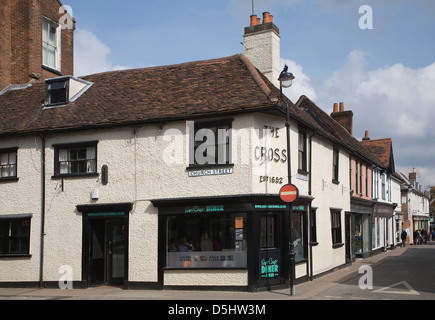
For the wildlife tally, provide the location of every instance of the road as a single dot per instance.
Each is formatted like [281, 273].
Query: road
[400, 274]
[408, 276]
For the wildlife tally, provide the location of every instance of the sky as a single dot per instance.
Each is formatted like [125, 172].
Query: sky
[379, 62]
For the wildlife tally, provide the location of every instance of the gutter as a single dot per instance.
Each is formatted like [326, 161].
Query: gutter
[41, 254]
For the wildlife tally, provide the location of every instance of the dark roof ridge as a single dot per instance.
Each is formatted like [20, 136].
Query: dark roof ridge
[339, 132]
[169, 66]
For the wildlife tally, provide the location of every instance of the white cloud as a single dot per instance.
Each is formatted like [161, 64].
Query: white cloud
[91, 55]
[302, 83]
[396, 100]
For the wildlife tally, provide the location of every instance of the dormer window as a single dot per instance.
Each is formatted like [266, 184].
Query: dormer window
[64, 90]
[57, 91]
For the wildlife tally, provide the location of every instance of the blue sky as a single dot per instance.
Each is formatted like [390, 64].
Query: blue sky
[385, 75]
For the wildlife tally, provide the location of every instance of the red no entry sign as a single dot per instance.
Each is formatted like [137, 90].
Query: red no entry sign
[289, 193]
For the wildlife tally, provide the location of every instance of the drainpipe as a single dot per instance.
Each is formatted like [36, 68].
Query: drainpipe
[41, 258]
[310, 258]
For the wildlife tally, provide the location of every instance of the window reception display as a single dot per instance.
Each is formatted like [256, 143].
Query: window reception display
[207, 241]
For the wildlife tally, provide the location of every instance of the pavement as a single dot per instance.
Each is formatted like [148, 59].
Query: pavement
[311, 290]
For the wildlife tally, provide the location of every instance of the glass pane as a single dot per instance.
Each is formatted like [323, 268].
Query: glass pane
[118, 251]
[44, 54]
[4, 171]
[3, 246]
[357, 236]
[4, 228]
[4, 158]
[81, 154]
[13, 170]
[271, 232]
[298, 235]
[51, 56]
[263, 232]
[204, 241]
[91, 153]
[64, 167]
[52, 35]
[12, 158]
[45, 25]
[91, 166]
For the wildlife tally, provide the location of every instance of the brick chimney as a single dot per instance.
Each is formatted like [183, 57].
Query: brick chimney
[262, 46]
[345, 118]
[413, 177]
[21, 41]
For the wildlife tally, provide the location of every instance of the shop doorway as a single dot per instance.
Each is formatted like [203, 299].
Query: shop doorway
[270, 256]
[107, 244]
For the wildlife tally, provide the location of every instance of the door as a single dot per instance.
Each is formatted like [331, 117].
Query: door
[107, 252]
[115, 252]
[270, 263]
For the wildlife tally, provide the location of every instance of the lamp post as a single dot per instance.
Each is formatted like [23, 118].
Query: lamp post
[285, 81]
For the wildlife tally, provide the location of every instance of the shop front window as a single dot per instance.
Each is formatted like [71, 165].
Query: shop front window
[366, 232]
[207, 241]
[357, 234]
[298, 236]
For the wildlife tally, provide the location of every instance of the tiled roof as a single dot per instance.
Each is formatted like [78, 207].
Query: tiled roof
[381, 149]
[334, 131]
[218, 87]
[194, 89]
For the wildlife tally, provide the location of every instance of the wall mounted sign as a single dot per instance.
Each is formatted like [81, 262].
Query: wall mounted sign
[205, 209]
[279, 207]
[107, 214]
[210, 172]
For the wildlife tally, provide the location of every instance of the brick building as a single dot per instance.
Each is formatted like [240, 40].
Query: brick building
[36, 41]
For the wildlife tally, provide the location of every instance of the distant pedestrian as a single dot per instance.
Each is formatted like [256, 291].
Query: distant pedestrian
[403, 236]
[420, 239]
[423, 235]
[433, 235]
[415, 236]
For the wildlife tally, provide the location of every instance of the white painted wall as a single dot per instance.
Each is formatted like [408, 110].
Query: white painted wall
[149, 162]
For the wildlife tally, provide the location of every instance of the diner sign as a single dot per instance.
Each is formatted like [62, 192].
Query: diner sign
[205, 209]
[270, 265]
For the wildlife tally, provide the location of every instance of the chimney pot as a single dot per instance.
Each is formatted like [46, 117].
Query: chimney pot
[253, 20]
[366, 137]
[335, 107]
[266, 17]
[341, 106]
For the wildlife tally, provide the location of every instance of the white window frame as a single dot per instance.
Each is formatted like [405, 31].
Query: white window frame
[57, 47]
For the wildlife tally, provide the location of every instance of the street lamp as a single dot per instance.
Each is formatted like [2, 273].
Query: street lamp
[285, 81]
